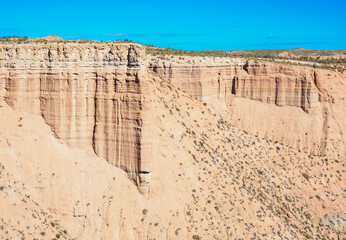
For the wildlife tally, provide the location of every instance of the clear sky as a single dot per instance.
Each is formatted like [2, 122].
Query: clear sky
[184, 24]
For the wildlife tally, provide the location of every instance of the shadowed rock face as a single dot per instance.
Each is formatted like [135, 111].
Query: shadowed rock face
[90, 96]
[280, 92]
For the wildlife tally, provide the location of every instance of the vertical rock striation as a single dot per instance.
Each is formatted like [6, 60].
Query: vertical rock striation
[90, 95]
[268, 83]
[98, 96]
[291, 105]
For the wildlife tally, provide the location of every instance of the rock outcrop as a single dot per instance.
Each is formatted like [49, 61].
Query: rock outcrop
[98, 95]
[280, 92]
[91, 96]
[70, 113]
[269, 83]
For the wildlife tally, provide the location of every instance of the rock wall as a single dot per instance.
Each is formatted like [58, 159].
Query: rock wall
[268, 83]
[91, 95]
[289, 105]
[98, 96]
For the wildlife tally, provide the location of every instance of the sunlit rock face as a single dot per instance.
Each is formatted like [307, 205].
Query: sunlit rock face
[98, 96]
[81, 123]
[291, 104]
[94, 96]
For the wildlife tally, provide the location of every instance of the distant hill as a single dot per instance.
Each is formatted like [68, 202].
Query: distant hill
[296, 53]
[51, 38]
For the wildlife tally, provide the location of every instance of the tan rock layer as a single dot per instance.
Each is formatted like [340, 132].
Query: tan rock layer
[98, 95]
[274, 84]
[90, 96]
[228, 83]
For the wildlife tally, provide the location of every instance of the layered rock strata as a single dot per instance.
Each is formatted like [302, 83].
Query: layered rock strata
[290, 105]
[269, 83]
[98, 96]
[91, 95]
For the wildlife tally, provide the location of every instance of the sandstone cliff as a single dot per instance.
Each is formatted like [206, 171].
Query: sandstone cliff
[74, 116]
[90, 96]
[297, 106]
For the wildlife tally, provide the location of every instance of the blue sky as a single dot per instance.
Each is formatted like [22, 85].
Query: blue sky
[187, 25]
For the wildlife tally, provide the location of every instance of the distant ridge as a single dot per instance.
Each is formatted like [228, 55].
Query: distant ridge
[52, 38]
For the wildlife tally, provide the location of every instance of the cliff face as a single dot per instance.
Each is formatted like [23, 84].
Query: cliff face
[98, 96]
[90, 96]
[212, 181]
[291, 105]
[276, 84]
[78, 110]
[268, 83]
